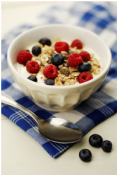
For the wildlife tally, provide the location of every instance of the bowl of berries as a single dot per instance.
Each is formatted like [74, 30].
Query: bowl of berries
[58, 66]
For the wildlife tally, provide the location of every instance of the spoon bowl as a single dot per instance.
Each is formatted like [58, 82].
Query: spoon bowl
[60, 130]
[54, 129]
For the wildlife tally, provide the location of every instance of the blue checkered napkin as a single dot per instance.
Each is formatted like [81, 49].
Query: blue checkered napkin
[101, 19]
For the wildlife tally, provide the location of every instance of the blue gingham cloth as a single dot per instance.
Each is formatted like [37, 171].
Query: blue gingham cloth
[101, 19]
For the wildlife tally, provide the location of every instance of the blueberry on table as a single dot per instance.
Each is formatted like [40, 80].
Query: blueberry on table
[57, 59]
[85, 155]
[95, 140]
[45, 41]
[49, 82]
[107, 146]
[71, 52]
[36, 50]
[32, 78]
[84, 67]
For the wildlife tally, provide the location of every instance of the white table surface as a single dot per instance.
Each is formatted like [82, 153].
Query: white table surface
[21, 154]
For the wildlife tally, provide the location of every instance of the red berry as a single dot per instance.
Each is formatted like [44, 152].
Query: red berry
[74, 60]
[61, 46]
[85, 55]
[84, 76]
[23, 56]
[50, 71]
[77, 43]
[32, 67]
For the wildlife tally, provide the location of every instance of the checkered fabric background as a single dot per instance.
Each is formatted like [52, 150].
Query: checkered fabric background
[101, 19]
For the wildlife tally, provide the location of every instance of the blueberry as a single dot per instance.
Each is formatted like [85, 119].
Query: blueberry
[84, 67]
[57, 59]
[71, 52]
[85, 155]
[95, 140]
[32, 78]
[36, 50]
[49, 82]
[106, 146]
[45, 41]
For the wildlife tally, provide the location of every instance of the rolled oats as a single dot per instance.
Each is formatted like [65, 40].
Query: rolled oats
[65, 64]
[65, 72]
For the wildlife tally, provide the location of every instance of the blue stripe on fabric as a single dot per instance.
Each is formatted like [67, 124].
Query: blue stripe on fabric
[113, 105]
[87, 16]
[84, 108]
[26, 26]
[113, 72]
[51, 150]
[103, 23]
[114, 47]
[58, 148]
[25, 101]
[114, 54]
[94, 118]
[99, 8]
[98, 30]
[13, 92]
[5, 84]
[7, 111]
[23, 124]
[85, 124]
[104, 83]
[103, 97]
[25, 117]
[10, 79]
[34, 134]
[97, 116]
[43, 114]
[4, 48]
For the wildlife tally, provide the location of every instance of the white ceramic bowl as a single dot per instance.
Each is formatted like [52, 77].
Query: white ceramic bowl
[59, 98]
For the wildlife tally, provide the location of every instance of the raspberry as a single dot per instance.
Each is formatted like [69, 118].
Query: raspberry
[84, 77]
[74, 60]
[32, 67]
[85, 55]
[50, 71]
[23, 56]
[77, 43]
[61, 46]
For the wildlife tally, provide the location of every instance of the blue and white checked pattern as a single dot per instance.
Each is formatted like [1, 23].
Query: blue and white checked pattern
[101, 19]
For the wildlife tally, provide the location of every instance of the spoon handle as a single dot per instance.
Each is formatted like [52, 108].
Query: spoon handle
[8, 101]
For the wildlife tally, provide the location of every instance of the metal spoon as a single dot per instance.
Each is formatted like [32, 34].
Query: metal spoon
[54, 129]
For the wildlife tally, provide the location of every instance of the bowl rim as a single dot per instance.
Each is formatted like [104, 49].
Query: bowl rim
[58, 87]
